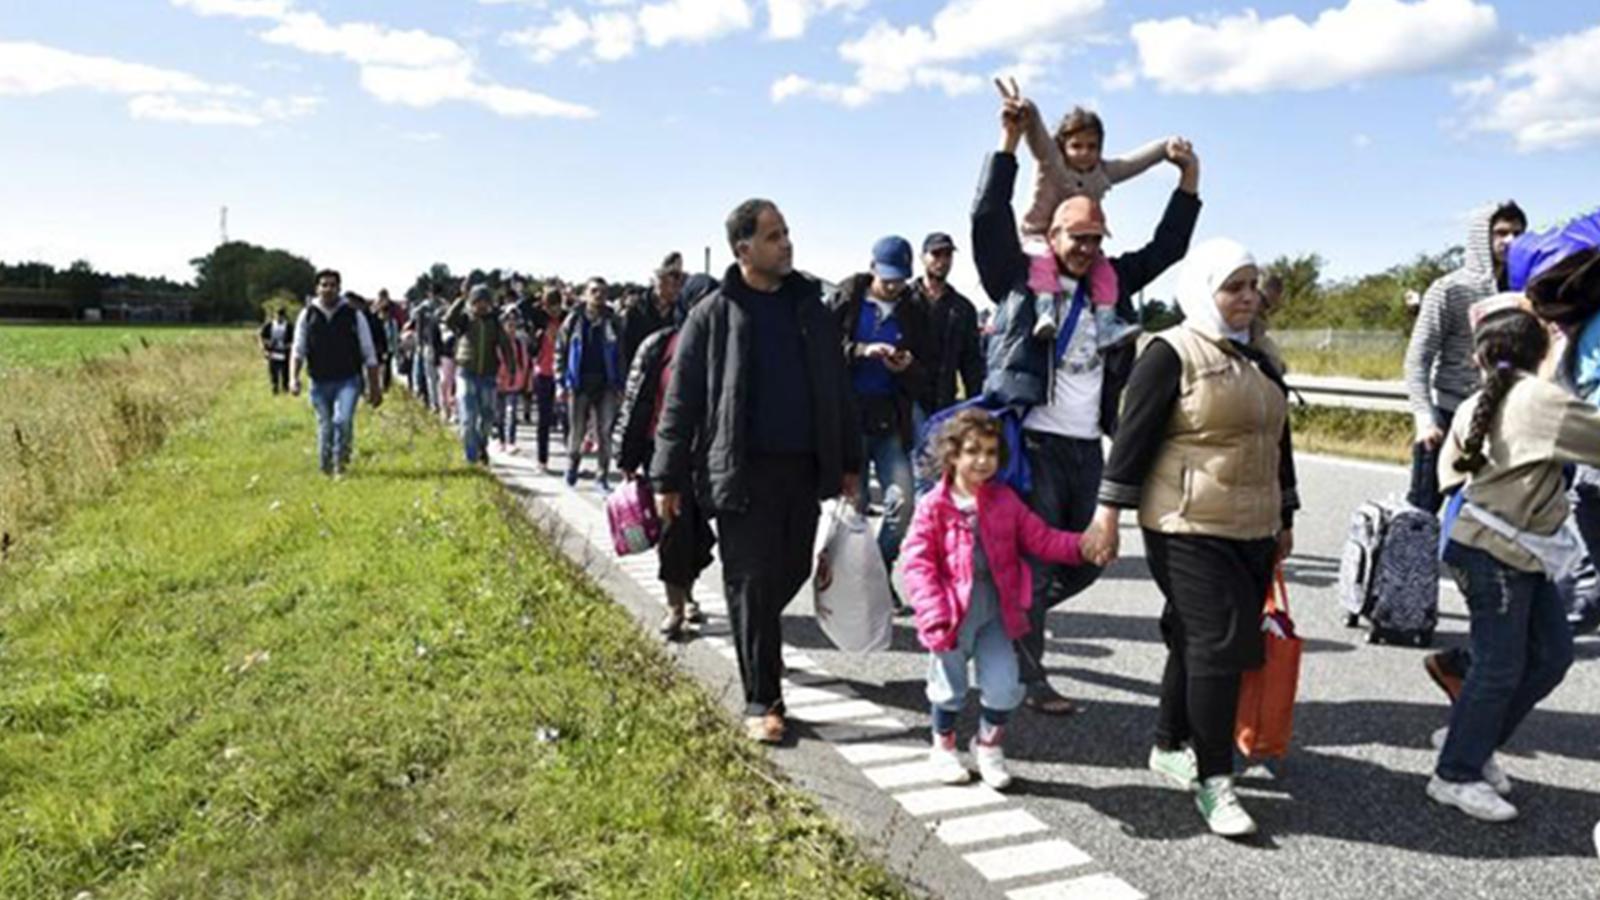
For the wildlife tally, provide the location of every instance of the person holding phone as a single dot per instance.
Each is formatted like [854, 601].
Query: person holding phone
[885, 337]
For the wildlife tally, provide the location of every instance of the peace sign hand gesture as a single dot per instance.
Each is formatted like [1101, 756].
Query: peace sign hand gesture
[1014, 112]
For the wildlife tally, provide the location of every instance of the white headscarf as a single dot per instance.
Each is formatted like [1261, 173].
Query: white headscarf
[1206, 269]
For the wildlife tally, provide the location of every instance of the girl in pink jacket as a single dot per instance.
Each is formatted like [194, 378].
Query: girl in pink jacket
[971, 588]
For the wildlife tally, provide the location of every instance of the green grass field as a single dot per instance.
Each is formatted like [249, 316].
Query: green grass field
[1377, 366]
[26, 346]
[234, 678]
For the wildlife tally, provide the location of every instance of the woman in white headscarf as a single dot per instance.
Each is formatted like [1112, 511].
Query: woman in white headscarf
[1203, 453]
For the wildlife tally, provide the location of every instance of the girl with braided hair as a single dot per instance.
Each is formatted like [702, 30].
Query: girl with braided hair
[1507, 542]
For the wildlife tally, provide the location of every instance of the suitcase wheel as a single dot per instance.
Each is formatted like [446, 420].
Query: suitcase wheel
[1373, 637]
[1352, 620]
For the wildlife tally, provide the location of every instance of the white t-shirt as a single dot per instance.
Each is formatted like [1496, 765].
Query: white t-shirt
[1073, 409]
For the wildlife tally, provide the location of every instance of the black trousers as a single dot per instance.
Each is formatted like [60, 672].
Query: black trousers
[766, 558]
[544, 395]
[278, 372]
[1066, 487]
[685, 548]
[1215, 589]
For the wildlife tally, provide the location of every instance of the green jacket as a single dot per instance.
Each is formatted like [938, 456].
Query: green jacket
[479, 340]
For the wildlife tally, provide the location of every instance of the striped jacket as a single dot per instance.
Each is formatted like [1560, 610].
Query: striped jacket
[1439, 369]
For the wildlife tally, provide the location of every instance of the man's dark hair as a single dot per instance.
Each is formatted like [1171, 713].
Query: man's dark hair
[742, 221]
[1509, 211]
[329, 273]
[596, 279]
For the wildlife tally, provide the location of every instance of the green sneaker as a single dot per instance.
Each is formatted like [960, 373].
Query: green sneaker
[1221, 808]
[1179, 766]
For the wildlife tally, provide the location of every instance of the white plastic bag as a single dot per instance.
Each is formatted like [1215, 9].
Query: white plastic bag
[856, 610]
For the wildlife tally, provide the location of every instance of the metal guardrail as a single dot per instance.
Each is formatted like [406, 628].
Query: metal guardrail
[1351, 393]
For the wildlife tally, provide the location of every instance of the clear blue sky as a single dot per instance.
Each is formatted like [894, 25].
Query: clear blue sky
[581, 136]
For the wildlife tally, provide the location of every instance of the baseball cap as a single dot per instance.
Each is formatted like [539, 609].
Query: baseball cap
[891, 258]
[1081, 215]
[938, 241]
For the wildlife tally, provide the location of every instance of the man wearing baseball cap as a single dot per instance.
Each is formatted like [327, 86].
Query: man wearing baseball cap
[952, 329]
[885, 334]
[1070, 388]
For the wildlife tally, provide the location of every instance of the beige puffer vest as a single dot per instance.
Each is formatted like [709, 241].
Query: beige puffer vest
[1217, 472]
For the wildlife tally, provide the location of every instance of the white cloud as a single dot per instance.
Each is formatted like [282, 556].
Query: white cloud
[889, 60]
[567, 31]
[616, 32]
[155, 94]
[30, 69]
[1361, 141]
[788, 19]
[408, 67]
[614, 35]
[692, 21]
[1244, 53]
[1547, 100]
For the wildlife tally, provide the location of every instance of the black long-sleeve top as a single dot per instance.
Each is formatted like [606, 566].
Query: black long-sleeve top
[1151, 394]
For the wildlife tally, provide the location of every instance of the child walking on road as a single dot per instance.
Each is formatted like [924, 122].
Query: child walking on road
[970, 588]
[1507, 544]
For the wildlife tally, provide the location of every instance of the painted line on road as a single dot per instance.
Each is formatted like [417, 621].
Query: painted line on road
[879, 745]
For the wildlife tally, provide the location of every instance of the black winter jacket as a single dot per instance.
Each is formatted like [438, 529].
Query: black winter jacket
[953, 345]
[911, 386]
[632, 437]
[1020, 365]
[703, 433]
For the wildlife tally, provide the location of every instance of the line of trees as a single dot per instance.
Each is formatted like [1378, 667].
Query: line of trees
[1375, 302]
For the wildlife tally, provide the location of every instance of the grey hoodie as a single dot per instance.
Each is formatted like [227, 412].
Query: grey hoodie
[1439, 367]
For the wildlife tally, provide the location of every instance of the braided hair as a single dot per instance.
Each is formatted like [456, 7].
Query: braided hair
[1507, 344]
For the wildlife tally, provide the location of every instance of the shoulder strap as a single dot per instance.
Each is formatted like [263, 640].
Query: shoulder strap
[1080, 299]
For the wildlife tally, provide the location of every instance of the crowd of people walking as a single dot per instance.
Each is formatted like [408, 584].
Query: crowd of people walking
[746, 401]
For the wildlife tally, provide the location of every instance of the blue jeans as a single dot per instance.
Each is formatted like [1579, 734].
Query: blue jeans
[890, 459]
[505, 423]
[1521, 650]
[1066, 489]
[994, 657]
[335, 403]
[1424, 493]
[475, 399]
[425, 376]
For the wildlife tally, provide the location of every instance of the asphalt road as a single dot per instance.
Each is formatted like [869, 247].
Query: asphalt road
[1344, 816]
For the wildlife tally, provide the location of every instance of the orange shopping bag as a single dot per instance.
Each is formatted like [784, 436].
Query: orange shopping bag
[1265, 722]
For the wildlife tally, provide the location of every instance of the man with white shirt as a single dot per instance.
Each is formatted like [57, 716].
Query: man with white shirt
[334, 341]
[1070, 389]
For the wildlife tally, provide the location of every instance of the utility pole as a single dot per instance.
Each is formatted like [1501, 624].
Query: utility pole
[708, 260]
[224, 225]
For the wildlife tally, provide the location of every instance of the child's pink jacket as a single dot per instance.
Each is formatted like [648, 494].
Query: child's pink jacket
[938, 560]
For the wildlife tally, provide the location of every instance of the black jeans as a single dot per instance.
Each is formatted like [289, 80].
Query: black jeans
[278, 371]
[766, 557]
[1424, 493]
[1066, 484]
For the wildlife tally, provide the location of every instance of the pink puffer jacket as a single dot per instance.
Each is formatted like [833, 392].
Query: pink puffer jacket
[938, 560]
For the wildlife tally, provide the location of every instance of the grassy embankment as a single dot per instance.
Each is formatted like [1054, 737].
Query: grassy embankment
[1381, 436]
[233, 678]
[35, 346]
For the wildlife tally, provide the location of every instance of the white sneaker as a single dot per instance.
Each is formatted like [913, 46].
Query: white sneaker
[1475, 798]
[945, 761]
[1492, 773]
[991, 760]
[1178, 766]
[1220, 806]
[1597, 838]
[1045, 328]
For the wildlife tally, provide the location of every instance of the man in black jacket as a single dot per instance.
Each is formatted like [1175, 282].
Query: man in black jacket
[758, 423]
[885, 336]
[657, 310]
[1069, 390]
[952, 329]
[277, 336]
